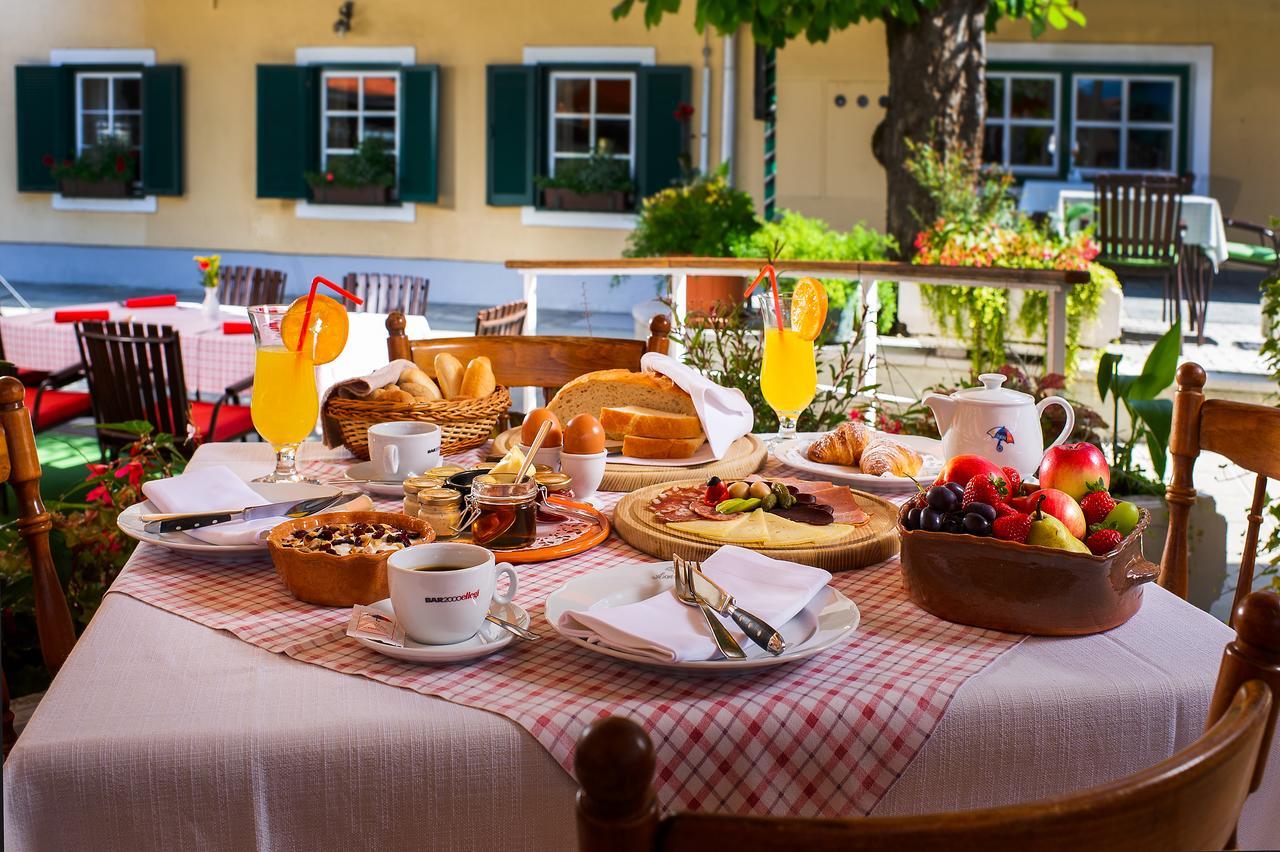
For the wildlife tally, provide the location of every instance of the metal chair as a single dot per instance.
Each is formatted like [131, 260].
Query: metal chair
[502, 320]
[383, 293]
[250, 285]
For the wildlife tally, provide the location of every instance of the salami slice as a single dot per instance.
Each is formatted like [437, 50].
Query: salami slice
[676, 504]
[709, 512]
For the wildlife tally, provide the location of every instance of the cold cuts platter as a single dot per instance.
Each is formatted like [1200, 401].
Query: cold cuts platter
[817, 523]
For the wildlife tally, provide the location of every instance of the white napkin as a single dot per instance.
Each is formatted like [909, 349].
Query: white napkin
[663, 629]
[725, 413]
[207, 489]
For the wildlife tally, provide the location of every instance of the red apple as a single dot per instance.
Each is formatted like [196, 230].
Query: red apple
[965, 467]
[1075, 468]
[1057, 503]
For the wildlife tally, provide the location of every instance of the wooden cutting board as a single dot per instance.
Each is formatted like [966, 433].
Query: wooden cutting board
[744, 457]
[871, 543]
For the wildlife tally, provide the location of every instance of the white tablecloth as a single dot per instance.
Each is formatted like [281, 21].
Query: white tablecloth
[162, 734]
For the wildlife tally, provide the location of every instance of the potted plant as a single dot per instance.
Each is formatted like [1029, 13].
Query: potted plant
[365, 177]
[703, 217]
[106, 169]
[599, 183]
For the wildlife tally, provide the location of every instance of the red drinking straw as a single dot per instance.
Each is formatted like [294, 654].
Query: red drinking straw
[768, 269]
[311, 297]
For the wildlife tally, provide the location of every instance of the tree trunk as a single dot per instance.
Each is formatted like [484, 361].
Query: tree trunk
[937, 79]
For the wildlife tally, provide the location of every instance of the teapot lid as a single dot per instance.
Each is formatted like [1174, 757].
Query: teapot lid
[992, 392]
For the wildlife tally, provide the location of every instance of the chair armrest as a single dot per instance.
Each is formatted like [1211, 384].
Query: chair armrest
[1264, 233]
[62, 378]
[239, 387]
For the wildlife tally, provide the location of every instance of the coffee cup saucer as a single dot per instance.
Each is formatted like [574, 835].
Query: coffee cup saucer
[361, 472]
[490, 639]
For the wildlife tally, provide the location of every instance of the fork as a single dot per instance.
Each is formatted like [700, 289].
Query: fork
[729, 647]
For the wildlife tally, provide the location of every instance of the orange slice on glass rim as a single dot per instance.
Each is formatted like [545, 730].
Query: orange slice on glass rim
[808, 308]
[328, 323]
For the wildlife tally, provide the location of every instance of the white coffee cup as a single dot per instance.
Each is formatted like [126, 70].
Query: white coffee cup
[403, 448]
[446, 605]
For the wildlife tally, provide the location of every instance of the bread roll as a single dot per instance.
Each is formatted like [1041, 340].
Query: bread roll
[661, 448]
[414, 375]
[478, 382]
[449, 374]
[648, 423]
[593, 392]
[422, 392]
[392, 393]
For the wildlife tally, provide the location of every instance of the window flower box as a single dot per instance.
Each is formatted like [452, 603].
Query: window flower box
[370, 194]
[561, 198]
[76, 188]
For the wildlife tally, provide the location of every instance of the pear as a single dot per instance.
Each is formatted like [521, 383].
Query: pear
[1048, 531]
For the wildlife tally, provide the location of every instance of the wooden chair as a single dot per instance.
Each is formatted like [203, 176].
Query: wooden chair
[135, 372]
[46, 400]
[542, 361]
[502, 320]
[383, 293]
[250, 285]
[1190, 801]
[20, 466]
[1139, 228]
[1247, 434]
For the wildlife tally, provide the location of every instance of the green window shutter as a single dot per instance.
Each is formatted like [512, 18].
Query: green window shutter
[512, 142]
[419, 132]
[660, 136]
[45, 126]
[288, 144]
[162, 122]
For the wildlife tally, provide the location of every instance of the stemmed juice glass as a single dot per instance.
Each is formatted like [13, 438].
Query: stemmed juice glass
[285, 403]
[788, 371]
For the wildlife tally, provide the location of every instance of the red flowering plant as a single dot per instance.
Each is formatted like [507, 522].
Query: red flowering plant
[105, 161]
[88, 548]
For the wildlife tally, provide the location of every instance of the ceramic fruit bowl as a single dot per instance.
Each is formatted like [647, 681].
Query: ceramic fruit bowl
[331, 580]
[1023, 588]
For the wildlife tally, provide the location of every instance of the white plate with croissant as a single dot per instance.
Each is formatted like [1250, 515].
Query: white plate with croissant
[871, 460]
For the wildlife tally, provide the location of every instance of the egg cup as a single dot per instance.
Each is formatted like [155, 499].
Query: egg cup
[550, 456]
[587, 470]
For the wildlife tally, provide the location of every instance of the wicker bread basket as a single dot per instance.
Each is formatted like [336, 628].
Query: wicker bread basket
[464, 423]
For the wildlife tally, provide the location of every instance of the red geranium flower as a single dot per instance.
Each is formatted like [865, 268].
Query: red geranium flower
[120, 165]
[683, 112]
[99, 495]
[47, 159]
[328, 176]
[204, 265]
[133, 470]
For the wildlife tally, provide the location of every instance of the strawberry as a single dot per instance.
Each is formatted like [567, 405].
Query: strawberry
[1004, 510]
[1096, 505]
[1103, 541]
[1014, 527]
[985, 488]
[1014, 479]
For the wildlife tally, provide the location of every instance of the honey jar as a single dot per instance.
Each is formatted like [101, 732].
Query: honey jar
[503, 513]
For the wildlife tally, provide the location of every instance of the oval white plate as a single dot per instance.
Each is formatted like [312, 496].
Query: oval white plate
[491, 638]
[272, 492]
[364, 470]
[792, 454]
[828, 619]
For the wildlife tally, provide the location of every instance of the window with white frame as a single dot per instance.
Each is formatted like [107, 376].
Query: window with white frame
[1022, 122]
[109, 109]
[355, 106]
[590, 107]
[1126, 122]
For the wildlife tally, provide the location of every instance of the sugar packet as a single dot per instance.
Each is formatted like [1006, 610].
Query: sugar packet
[369, 623]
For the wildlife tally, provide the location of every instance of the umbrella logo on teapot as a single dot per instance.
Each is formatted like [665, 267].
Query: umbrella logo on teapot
[1001, 436]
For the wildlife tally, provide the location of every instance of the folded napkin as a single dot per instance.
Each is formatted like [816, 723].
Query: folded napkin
[357, 388]
[237, 327]
[725, 413]
[665, 630]
[81, 316]
[165, 301]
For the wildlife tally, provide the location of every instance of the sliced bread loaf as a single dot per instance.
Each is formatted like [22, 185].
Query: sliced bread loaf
[661, 448]
[648, 423]
[594, 392]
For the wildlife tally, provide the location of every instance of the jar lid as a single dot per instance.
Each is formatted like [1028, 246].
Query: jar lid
[554, 479]
[439, 495]
[502, 488]
[993, 392]
[444, 471]
[414, 484]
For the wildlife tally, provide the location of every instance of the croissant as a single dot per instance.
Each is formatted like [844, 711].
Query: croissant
[843, 446]
[883, 456]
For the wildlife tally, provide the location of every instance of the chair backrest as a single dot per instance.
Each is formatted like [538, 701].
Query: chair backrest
[134, 373]
[1190, 801]
[1245, 433]
[20, 467]
[383, 293]
[541, 361]
[1139, 217]
[502, 320]
[250, 285]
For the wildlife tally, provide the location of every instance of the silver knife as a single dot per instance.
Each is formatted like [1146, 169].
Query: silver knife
[756, 628]
[285, 509]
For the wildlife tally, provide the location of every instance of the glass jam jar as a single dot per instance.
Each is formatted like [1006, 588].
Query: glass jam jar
[505, 512]
[442, 509]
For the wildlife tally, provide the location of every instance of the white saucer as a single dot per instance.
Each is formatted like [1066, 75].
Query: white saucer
[491, 638]
[364, 470]
[793, 453]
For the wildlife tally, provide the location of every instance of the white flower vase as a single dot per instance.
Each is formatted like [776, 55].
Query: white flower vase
[212, 310]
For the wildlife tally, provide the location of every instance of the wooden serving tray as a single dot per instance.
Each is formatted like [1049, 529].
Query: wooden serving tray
[744, 457]
[873, 542]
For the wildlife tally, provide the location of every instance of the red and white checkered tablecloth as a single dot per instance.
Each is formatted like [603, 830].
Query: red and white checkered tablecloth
[825, 737]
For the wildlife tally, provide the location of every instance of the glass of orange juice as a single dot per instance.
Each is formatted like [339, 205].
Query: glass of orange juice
[788, 372]
[285, 403]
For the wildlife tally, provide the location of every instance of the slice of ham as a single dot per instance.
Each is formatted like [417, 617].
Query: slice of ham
[844, 507]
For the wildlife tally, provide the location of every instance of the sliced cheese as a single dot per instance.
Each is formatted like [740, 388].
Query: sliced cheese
[784, 532]
[763, 529]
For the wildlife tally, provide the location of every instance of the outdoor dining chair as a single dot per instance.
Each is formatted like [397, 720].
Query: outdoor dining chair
[250, 285]
[1264, 253]
[502, 320]
[382, 293]
[20, 467]
[135, 372]
[47, 402]
[1192, 800]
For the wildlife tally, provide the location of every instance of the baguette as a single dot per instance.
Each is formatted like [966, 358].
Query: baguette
[661, 448]
[478, 382]
[449, 374]
[648, 423]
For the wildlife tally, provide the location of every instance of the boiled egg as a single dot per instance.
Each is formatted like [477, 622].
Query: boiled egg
[583, 435]
[533, 422]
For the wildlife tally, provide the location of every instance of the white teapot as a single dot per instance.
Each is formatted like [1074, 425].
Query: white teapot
[1000, 424]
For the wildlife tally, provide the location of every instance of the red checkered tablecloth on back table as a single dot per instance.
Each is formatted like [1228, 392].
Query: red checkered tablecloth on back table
[825, 737]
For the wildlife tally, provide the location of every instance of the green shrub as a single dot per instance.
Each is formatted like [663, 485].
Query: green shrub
[701, 218]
